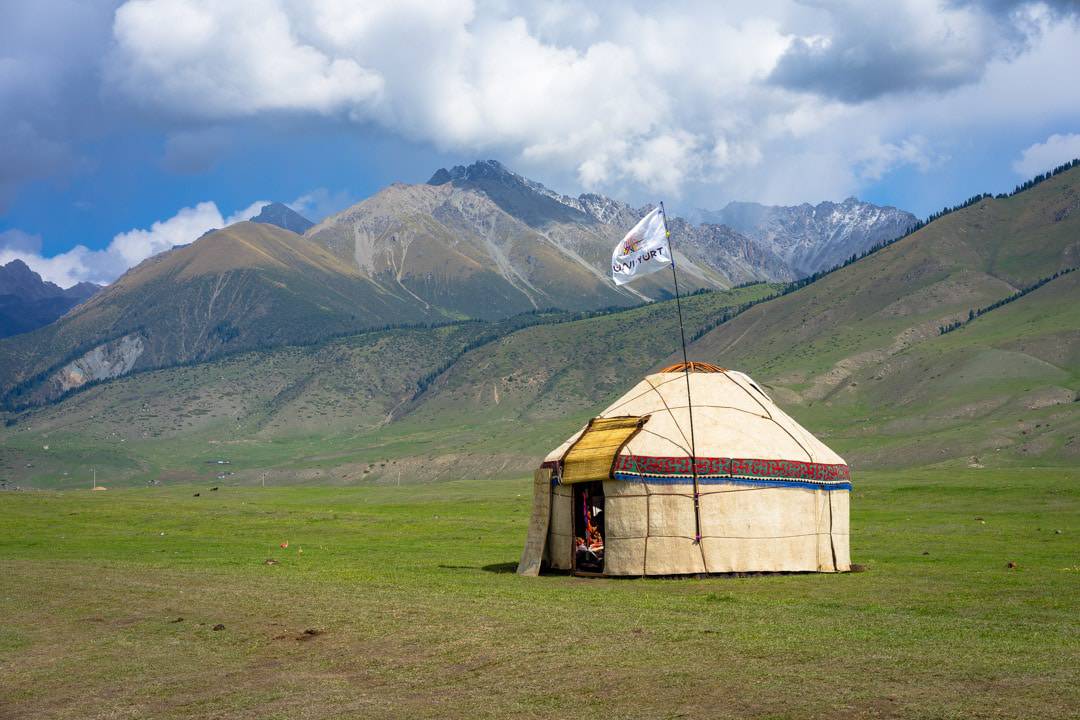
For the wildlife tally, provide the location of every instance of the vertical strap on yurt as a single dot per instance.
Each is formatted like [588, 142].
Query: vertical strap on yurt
[832, 542]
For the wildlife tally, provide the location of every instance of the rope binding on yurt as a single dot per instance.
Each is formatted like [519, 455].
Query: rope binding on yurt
[693, 366]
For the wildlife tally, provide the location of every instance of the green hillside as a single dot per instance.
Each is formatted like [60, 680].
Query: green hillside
[250, 285]
[857, 356]
[1006, 384]
[860, 351]
[353, 409]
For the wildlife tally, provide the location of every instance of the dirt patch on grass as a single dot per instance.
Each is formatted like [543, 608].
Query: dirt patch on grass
[1048, 397]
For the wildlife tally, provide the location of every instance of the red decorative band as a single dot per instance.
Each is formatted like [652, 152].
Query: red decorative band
[732, 467]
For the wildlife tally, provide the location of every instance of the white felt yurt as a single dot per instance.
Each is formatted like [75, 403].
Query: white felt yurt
[618, 497]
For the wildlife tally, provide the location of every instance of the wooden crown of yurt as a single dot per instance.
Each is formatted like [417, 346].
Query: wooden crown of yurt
[694, 470]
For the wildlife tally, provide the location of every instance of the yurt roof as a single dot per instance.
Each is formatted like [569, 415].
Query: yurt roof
[736, 424]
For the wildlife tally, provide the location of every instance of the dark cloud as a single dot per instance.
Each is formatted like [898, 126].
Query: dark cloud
[27, 155]
[191, 152]
[867, 70]
[1006, 7]
[879, 49]
[50, 53]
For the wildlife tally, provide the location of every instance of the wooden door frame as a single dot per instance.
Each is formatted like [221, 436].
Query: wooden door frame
[573, 532]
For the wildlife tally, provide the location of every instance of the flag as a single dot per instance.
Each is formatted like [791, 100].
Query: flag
[644, 250]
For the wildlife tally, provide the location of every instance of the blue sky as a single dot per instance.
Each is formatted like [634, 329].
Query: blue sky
[125, 184]
[131, 126]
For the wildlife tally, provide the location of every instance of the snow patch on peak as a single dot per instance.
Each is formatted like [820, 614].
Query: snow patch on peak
[814, 237]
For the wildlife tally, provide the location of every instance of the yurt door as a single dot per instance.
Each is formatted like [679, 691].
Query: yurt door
[588, 513]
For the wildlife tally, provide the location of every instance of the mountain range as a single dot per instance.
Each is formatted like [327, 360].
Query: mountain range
[958, 344]
[27, 302]
[812, 238]
[474, 242]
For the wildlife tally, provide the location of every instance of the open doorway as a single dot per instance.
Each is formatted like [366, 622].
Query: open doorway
[589, 528]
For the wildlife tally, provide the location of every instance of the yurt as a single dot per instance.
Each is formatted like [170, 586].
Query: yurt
[621, 496]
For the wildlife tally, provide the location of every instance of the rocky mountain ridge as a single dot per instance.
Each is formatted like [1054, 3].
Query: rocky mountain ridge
[284, 217]
[745, 241]
[811, 238]
[484, 232]
[250, 285]
[27, 302]
[476, 242]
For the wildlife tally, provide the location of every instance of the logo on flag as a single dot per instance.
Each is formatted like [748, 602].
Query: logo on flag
[644, 250]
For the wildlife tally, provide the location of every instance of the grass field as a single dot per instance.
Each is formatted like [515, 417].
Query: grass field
[417, 612]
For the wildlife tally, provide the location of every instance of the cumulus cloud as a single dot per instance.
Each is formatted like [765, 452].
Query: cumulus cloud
[876, 158]
[1045, 156]
[229, 59]
[705, 100]
[126, 249]
[621, 96]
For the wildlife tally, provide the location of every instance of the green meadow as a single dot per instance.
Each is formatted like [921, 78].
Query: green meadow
[402, 602]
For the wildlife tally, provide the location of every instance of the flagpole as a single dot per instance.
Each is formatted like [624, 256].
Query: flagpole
[686, 372]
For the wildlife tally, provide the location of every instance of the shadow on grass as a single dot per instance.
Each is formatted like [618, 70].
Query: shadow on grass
[499, 568]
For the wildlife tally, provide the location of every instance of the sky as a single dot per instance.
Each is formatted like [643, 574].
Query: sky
[130, 127]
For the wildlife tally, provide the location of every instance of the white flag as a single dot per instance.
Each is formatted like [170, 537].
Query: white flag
[644, 250]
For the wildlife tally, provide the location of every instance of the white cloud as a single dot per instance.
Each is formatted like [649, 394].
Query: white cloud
[1045, 156]
[229, 59]
[619, 97]
[615, 96]
[878, 157]
[126, 250]
[776, 100]
[65, 269]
